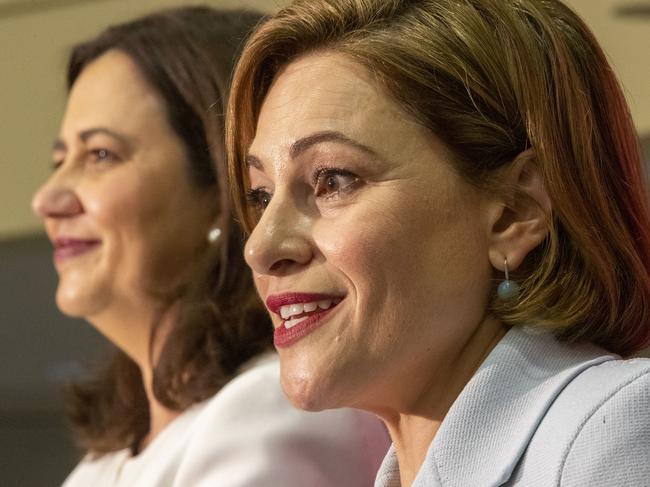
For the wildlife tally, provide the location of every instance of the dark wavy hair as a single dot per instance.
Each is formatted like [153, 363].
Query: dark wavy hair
[186, 55]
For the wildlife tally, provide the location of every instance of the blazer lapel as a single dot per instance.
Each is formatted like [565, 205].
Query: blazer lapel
[489, 426]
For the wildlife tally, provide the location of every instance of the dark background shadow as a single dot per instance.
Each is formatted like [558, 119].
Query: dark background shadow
[40, 350]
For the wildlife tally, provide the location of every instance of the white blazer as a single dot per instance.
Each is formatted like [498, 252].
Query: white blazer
[540, 413]
[248, 435]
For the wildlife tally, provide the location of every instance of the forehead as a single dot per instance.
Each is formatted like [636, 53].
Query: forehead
[111, 91]
[329, 92]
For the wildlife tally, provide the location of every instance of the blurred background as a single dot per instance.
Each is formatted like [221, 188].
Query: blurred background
[39, 348]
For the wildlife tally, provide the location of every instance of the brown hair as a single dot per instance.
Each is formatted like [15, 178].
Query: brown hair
[492, 78]
[186, 55]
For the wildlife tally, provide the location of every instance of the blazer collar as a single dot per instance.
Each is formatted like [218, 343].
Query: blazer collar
[489, 426]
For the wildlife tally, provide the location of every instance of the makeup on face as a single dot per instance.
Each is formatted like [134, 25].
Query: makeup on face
[354, 196]
[301, 313]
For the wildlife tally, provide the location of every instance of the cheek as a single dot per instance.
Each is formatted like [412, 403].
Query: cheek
[362, 247]
[349, 245]
[137, 209]
[130, 219]
[408, 259]
[116, 202]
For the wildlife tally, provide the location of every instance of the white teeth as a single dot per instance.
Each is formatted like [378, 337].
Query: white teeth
[296, 309]
[291, 323]
[325, 304]
[289, 310]
[285, 312]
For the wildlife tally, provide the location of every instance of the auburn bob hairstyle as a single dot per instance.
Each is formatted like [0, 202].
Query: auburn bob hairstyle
[492, 78]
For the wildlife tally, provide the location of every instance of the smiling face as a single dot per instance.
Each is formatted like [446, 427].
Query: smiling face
[370, 252]
[119, 207]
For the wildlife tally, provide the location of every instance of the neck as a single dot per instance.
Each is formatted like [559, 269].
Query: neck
[414, 428]
[159, 415]
[130, 328]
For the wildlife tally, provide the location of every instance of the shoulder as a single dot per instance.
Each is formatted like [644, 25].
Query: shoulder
[597, 430]
[99, 472]
[611, 382]
[614, 374]
[610, 444]
[249, 434]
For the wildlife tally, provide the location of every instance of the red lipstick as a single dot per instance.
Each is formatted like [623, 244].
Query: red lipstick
[283, 336]
[275, 301]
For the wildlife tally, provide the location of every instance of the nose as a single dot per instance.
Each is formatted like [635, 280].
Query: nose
[280, 242]
[56, 199]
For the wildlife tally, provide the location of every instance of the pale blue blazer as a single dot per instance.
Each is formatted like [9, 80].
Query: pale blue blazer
[540, 413]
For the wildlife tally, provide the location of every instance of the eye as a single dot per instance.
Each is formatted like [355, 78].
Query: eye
[329, 183]
[103, 155]
[258, 198]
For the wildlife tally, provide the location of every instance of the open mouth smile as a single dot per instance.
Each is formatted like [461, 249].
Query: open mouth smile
[301, 313]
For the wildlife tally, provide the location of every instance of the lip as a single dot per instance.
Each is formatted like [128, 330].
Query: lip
[284, 337]
[275, 301]
[67, 247]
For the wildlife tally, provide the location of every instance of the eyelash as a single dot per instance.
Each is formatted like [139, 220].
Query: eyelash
[103, 155]
[260, 198]
[321, 176]
[254, 198]
[100, 155]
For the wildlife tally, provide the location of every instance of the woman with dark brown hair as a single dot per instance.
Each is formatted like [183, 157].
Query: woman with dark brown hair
[192, 396]
[460, 181]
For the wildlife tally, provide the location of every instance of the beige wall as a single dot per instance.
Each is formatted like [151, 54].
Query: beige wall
[33, 53]
[627, 42]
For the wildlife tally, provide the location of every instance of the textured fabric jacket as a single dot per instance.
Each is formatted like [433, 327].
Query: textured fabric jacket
[540, 413]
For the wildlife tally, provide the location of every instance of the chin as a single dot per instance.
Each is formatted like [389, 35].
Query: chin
[302, 396]
[309, 392]
[73, 303]
[71, 309]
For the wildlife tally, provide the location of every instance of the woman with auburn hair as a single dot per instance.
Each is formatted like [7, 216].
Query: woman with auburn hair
[460, 182]
[192, 397]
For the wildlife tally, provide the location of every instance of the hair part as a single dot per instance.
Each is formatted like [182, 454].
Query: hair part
[492, 78]
[186, 55]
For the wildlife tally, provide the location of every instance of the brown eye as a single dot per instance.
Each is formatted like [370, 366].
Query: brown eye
[258, 198]
[333, 182]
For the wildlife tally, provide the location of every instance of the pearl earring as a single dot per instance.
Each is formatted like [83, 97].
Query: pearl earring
[508, 289]
[213, 234]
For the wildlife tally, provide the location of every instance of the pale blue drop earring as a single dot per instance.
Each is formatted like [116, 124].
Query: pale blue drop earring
[508, 289]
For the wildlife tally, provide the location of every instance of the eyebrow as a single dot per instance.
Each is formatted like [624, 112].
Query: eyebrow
[84, 135]
[252, 161]
[301, 145]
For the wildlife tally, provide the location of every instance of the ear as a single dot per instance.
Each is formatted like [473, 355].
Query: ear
[519, 220]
